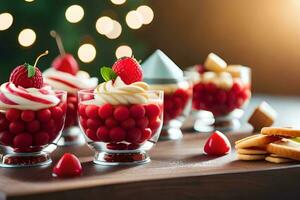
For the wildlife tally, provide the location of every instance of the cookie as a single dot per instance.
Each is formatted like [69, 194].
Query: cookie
[251, 151]
[250, 157]
[278, 160]
[285, 148]
[285, 132]
[263, 116]
[255, 141]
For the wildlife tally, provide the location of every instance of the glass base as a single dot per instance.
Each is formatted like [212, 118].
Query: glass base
[170, 134]
[18, 160]
[116, 158]
[71, 136]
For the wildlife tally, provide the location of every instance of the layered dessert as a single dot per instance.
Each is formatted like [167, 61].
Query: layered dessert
[121, 117]
[161, 73]
[220, 88]
[32, 115]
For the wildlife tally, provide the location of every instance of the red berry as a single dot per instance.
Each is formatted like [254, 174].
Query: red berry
[92, 111]
[3, 124]
[134, 135]
[57, 113]
[142, 123]
[41, 138]
[103, 134]
[200, 68]
[6, 138]
[66, 63]
[128, 69]
[128, 124]
[19, 77]
[152, 110]
[83, 122]
[133, 146]
[12, 115]
[146, 134]
[81, 110]
[67, 166]
[111, 122]
[106, 111]
[93, 124]
[49, 125]
[27, 115]
[44, 115]
[114, 146]
[33, 126]
[16, 127]
[121, 113]
[23, 140]
[91, 134]
[154, 124]
[217, 144]
[117, 134]
[137, 111]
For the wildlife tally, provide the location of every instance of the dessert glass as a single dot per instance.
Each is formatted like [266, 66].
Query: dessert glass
[218, 107]
[120, 134]
[177, 105]
[29, 141]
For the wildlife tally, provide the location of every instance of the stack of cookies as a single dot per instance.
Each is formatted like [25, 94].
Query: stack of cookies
[276, 145]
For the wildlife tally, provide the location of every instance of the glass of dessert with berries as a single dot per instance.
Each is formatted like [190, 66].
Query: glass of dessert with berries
[32, 117]
[222, 90]
[161, 73]
[121, 118]
[65, 75]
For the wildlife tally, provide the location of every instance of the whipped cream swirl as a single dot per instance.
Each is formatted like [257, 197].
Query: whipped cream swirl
[26, 98]
[118, 92]
[68, 82]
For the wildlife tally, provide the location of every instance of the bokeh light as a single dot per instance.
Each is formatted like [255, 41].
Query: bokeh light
[118, 2]
[74, 13]
[104, 25]
[147, 14]
[6, 21]
[29, 0]
[134, 19]
[116, 31]
[123, 51]
[27, 37]
[86, 53]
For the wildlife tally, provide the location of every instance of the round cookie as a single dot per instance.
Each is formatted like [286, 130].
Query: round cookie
[285, 148]
[278, 160]
[251, 151]
[255, 141]
[250, 157]
[285, 132]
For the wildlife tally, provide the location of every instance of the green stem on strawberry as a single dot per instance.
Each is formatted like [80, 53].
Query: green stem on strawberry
[59, 43]
[108, 74]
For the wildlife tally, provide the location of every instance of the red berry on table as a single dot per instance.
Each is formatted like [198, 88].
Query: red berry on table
[23, 140]
[128, 69]
[66, 63]
[67, 166]
[121, 113]
[12, 115]
[106, 111]
[27, 115]
[217, 144]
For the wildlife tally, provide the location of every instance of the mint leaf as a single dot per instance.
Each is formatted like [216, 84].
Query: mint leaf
[30, 69]
[107, 73]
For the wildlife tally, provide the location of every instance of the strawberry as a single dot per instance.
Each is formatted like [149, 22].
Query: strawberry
[66, 63]
[128, 69]
[67, 166]
[20, 77]
[217, 144]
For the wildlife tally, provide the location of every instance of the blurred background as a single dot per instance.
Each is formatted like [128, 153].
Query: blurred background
[262, 34]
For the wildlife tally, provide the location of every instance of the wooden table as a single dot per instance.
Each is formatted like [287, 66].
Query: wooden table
[178, 170]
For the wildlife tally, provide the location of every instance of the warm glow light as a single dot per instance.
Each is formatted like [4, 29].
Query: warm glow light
[104, 25]
[116, 31]
[146, 13]
[26, 37]
[123, 51]
[86, 53]
[6, 21]
[118, 2]
[74, 13]
[29, 0]
[134, 19]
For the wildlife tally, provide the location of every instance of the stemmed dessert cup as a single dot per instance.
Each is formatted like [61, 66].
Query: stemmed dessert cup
[28, 137]
[120, 134]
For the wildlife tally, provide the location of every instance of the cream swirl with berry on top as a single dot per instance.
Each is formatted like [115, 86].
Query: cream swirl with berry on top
[117, 92]
[21, 98]
[69, 82]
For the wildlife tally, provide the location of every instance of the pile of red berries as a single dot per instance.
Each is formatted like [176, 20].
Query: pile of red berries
[28, 130]
[207, 96]
[71, 117]
[122, 126]
[175, 103]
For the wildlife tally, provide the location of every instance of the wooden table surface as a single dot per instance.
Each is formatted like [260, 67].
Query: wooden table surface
[179, 170]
